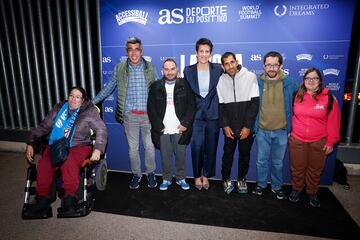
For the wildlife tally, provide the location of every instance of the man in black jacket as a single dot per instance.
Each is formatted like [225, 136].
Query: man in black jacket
[238, 93]
[171, 110]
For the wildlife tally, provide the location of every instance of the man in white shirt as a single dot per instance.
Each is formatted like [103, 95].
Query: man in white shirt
[171, 110]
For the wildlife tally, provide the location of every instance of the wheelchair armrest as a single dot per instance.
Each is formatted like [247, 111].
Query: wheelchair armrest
[31, 172]
[86, 162]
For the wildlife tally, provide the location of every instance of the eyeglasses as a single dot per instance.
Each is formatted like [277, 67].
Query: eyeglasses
[314, 79]
[76, 97]
[268, 66]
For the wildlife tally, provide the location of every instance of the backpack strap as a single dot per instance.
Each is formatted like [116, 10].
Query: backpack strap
[330, 103]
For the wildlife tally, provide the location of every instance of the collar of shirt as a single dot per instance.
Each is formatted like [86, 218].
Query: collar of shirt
[138, 67]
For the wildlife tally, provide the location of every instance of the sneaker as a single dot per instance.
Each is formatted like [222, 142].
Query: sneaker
[135, 182]
[152, 183]
[314, 200]
[183, 184]
[258, 190]
[242, 186]
[165, 184]
[294, 196]
[228, 186]
[279, 193]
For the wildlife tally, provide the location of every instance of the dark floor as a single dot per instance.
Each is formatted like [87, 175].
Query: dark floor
[108, 226]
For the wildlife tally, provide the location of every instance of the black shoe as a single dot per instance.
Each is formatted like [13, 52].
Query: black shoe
[314, 200]
[40, 210]
[258, 190]
[70, 203]
[69, 208]
[279, 194]
[294, 196]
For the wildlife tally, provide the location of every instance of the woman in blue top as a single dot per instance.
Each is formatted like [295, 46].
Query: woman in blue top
[203, 78]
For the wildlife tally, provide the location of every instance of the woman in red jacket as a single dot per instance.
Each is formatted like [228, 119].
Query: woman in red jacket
[315, 130]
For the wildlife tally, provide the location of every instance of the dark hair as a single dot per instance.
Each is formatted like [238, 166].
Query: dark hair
[226, 55]
[274, 54]
[302, 89]
[133, 40]
[80, 89]
[203, 41]
[169, 60]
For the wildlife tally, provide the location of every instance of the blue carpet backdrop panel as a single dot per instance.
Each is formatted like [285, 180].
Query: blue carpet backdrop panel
[306, 33]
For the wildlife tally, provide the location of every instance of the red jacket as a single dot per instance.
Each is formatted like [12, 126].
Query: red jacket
[310, 121]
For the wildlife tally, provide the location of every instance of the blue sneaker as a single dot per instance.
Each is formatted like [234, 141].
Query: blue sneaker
[183, 184]
[135, 182]
[151, 180]
[165, 184]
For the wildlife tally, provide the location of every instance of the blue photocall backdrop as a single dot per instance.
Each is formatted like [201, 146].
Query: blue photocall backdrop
[307, 34]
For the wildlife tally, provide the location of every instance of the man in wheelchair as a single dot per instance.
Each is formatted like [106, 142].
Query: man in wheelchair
[73, 120]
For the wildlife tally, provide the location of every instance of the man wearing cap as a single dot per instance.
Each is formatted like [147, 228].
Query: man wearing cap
[132, 79]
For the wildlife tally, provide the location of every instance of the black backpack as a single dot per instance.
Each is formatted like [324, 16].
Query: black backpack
[340, 174]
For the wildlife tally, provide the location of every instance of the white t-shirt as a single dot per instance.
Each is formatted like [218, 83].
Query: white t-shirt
[170, 121]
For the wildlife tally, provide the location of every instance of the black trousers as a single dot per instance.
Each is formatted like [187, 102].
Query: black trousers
[244, 147]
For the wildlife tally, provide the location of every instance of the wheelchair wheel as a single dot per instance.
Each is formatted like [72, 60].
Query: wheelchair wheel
[101, 176]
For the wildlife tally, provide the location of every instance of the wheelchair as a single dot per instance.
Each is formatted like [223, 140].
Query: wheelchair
[93, 175]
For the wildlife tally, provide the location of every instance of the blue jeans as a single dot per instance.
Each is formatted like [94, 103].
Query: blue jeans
[133, 124]
[271, 145]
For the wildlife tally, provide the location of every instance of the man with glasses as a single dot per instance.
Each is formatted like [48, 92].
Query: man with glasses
[273, 123]
[132, 79]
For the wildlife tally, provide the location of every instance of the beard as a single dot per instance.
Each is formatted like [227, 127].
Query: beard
[272, 74]
[170, 78]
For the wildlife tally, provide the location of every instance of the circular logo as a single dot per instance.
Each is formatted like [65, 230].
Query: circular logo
[280, 14]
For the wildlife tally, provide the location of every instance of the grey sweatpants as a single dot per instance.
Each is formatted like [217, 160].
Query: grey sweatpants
[169, 146]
